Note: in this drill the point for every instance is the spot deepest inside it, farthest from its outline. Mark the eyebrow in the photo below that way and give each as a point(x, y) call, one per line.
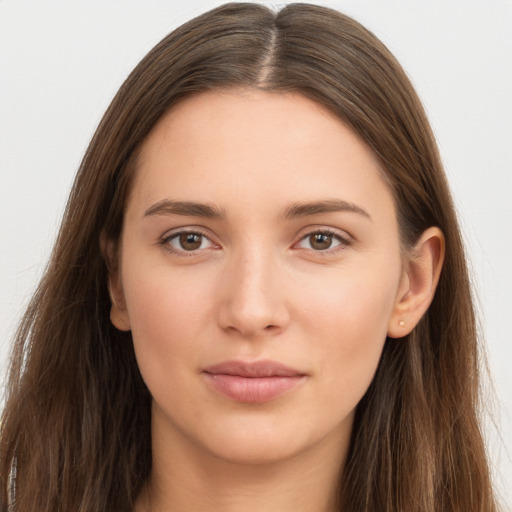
point(326, 206)
point(188, 208)
point(193, 209)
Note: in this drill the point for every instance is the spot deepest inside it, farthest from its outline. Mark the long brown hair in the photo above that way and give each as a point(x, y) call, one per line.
point(75, 431)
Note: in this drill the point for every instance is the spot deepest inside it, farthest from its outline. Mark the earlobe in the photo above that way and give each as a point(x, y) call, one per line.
point(419, 283)
point(119, 319)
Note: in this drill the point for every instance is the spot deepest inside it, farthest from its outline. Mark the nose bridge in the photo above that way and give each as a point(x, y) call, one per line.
point(253, 301)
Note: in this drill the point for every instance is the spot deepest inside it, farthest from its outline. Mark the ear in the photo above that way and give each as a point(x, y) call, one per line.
point(118, 311)
point(418, 283)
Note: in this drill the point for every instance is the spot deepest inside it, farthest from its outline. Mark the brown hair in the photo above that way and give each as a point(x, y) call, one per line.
point(75, 432)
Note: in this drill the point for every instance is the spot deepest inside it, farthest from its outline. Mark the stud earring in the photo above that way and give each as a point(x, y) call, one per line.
point(401, 323)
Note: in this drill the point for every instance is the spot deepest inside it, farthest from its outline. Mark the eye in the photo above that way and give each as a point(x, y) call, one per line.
point(322, 241)
point(187, 241)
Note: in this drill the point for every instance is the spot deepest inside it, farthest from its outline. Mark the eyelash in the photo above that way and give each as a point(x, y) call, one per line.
point(343, 242)
point(165, 242)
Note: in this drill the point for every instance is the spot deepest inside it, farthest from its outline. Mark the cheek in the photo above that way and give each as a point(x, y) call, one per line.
point(349, 322)
point(168, 312)
point(352, 302)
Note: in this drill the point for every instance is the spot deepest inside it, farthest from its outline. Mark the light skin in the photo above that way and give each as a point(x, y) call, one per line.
point(292, 255)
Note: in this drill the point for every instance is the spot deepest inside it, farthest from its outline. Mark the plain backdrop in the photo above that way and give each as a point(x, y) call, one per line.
point(62, 62)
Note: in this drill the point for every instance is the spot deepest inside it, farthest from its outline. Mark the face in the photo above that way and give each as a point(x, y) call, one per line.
point(259, 269)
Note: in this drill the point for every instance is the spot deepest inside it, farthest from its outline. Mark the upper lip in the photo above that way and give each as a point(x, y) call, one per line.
point(253, 369)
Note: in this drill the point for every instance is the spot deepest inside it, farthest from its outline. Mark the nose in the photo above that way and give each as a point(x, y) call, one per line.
point(253, 301)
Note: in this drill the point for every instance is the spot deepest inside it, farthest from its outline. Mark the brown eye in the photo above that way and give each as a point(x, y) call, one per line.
point(320, 241)
point(190, 241)
point(187, 243)
point(323, 241)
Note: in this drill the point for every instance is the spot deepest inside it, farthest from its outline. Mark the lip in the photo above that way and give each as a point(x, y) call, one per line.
point(253, 382)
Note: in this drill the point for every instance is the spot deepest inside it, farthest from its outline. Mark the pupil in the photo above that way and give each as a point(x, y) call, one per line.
point(320, 241)
point(190, 241)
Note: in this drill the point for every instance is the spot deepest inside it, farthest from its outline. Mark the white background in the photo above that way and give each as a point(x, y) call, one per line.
point(61, 63)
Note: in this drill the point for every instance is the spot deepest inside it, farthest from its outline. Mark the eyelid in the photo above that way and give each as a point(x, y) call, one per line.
point(176, 232)
point(342, 236)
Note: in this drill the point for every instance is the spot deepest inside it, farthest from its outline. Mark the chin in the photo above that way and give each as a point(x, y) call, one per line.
point(257, 452)
point(261, 442)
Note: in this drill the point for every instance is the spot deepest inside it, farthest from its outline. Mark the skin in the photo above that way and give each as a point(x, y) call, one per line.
point(260, 286)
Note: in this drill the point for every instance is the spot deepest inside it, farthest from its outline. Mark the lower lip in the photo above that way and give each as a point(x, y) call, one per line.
point(253, 390)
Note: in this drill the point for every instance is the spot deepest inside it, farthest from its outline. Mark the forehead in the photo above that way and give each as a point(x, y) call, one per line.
point(254, 146)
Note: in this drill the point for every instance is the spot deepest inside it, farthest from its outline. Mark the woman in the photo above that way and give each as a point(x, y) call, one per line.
point(258, 299)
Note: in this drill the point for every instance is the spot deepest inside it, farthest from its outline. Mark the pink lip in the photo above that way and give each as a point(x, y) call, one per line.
point(255, 383)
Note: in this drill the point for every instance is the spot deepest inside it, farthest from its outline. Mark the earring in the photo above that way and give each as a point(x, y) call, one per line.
point(401, 323)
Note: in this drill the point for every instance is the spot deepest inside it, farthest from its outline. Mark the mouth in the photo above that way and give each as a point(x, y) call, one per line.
point(253, 383)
